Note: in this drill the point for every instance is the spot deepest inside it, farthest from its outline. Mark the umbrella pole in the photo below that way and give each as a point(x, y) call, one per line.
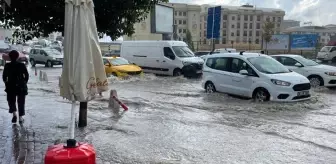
point(72, 126)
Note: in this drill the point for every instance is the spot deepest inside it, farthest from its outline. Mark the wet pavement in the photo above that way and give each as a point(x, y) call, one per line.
point(172, 120)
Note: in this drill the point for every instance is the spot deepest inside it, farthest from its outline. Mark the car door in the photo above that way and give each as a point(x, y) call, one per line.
point(43, 56)
point(168, 63)
point(242, 84)
point(292, 64)
point(221, 77)
point(37, 56)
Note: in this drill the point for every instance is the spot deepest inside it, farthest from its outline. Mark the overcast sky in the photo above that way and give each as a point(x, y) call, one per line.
point(319, 12)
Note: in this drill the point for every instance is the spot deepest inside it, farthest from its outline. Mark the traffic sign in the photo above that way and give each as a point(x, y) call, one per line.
point(213, 22)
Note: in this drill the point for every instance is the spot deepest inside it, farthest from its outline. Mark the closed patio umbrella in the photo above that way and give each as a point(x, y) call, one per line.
point(83, 74)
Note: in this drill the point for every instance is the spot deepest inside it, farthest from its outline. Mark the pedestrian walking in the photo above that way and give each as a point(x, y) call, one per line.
point(15, 77)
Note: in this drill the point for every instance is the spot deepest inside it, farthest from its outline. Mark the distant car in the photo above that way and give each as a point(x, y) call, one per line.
point(253, 75)
point(6, 48)
point(47, 56)
point(203, 54)
point(318, 74)
point(327, 53)
point(120, 67)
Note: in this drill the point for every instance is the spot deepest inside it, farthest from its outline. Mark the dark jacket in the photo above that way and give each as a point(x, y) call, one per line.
point(15, 77)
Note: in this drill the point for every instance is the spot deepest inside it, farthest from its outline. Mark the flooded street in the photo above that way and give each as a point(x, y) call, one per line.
point(173, 120)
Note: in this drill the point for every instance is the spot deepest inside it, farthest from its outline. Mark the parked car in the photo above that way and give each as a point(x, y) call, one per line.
point(47, 56)
point(327, 53)
point(161, 57)
point(254, 76)
point(5, 48)
point(318, 74)
point(120, 67)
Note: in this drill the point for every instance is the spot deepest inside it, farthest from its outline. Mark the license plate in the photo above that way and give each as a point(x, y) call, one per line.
point(303, 93)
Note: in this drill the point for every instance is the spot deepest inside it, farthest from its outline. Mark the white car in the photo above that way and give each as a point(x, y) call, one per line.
point(318, 74)
point(255, 76)
point(327, 53)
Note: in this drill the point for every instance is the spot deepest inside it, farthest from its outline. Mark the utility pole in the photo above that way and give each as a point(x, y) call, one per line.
point(82, 119)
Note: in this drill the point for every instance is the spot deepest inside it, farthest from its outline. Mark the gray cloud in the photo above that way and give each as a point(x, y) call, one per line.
point(319, 12)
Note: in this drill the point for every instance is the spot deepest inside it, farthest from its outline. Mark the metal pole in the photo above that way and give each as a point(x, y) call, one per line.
point(72, 125)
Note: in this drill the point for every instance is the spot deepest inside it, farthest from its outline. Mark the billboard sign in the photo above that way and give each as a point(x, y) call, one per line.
point(162, 19)
point(304, 41)
point(213, 22)
point(278, 42)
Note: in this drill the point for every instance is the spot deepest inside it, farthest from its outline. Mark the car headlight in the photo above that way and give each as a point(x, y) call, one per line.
point(330, 73)
point(280, 82)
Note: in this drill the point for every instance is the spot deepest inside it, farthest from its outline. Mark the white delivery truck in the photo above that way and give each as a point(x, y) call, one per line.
point(161, 57)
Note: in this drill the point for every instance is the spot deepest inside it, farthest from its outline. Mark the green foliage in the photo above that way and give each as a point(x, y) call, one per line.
point(268, 31)
point(189, 41)
point(113, 17)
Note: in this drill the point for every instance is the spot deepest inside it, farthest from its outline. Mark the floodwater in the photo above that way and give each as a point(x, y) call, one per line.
point(172, 120)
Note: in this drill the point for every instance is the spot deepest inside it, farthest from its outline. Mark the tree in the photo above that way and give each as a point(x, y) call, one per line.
point(268, 31)
point(113, 17)
point(189, 40)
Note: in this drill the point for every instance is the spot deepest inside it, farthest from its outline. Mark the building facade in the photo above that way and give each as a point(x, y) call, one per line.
point(241, 24)
point(186, 17)
point(289, 23)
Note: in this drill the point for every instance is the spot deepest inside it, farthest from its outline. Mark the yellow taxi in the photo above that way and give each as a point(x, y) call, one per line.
point(120, 67)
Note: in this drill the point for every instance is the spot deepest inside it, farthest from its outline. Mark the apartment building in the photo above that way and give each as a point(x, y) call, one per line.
point(186, 17)
point(241, 24)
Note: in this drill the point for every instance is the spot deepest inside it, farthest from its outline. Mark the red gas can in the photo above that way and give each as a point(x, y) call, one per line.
point(72, 153)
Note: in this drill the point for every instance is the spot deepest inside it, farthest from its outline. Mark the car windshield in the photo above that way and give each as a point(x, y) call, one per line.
point(53, 51)
point(306, 62)
point(119, 61)
point(267, 65)
point(183, 51)
point(325, 49)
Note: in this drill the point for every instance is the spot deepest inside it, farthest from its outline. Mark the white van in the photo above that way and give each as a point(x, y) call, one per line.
point(160, 57)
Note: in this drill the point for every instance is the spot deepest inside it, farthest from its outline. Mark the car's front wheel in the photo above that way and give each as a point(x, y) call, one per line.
point(210, 87)
point(315, 81)
point(261, 95)
point(32, 62)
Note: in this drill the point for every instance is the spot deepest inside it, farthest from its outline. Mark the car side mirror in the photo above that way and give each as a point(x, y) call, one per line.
point(243, 72)
point(298, 65)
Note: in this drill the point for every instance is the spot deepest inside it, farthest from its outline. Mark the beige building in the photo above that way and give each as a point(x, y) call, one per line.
point(241, 25)
point(186, 17)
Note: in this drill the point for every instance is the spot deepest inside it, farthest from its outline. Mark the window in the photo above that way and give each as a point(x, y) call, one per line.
point(43, 53)
point(245, 33)
point(251, 25)
point(204, 41)
point(238, 25)
point(322, 40)
point(287, 61)
point(238, 17)
point(184, 30)
point(250, 33)
point(258, 25)
point(238, 65)
point(224, 24)
point(232, 34)
point(176, 13)
point(175, 21)
point(238, 33)
point(268, 65)
point(218, 63)
point(223, 40)
point(224, 32)
point(245, 25)
point(257, 41)
point(258, 18)
point(257, 33)
point(251, 18)
point(268, 19)
point(180, 13)
point(184, 13)
point(232, 26)
point(224, 17)
point(168, 53)
point(180, 30)
point(216, 41)
point(273, 19)
point(245, 17)
point(184, 22)
point(278, 25)
point(233, 17)
point(180, 21)
point(279, 19)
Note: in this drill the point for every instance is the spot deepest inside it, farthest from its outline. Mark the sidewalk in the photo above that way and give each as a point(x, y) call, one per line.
point(46, 122)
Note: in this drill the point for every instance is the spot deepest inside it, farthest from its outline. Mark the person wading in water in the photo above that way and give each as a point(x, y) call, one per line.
point(15, 77)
